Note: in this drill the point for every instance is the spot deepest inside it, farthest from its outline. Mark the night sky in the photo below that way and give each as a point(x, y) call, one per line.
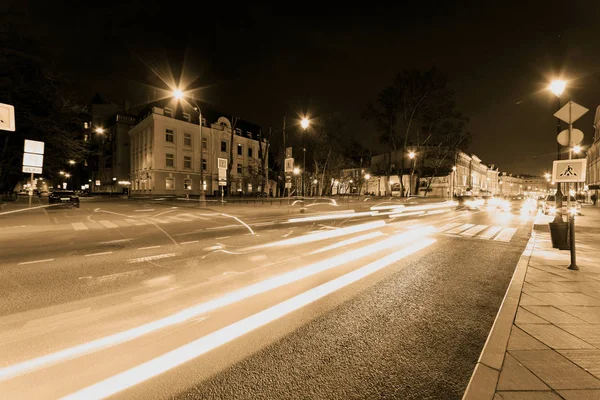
point(261, 61)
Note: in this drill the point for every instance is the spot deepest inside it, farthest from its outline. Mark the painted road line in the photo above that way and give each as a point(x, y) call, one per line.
point(158, 220)
point(117, 241)
point(79, 226)
point(222, 237)
point(449, 226)
point(144, 210)
point(461, 228)
point(506, 235)
point(190, 242)
point(151, 258)
point(490, 233)
point(148, 247)
point(36, 261)
point(474, 230)
point(222, 227)
point(134, 221)
point(98, 254)
point(108, 224)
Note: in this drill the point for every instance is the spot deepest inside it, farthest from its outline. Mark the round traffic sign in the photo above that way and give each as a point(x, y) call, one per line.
point(576, 137)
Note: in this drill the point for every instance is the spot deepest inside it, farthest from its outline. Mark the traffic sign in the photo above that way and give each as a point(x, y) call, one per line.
point(576, 137)
point(222, 183)
point(570, 112)
point(569, 170)
point(222, 163)
point(33, 170)
point(288, 152)
point(289, 164)
point(288, 185)
point(33, 157)
point(7, 117)
point(222, 174)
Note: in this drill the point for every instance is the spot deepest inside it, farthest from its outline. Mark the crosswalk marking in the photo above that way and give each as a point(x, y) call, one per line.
point(474, 230)
point(490, 232)
point(79, 226)
point(461, 228)
point(449, 226)
point(108, 224)
point(158, 220)
point(506, 235)
point(134, 221)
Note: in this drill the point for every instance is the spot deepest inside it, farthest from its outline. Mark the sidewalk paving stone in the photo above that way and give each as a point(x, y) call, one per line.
point(580, 394)
point(528, 396)
point(553, 315)
point(515, 376)
point(520, 340)
point(554, 337)
point(586, 359)
point(586, 313)
point(525, 316)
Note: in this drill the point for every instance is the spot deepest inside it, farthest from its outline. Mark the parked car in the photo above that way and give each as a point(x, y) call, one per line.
point(44, 193)
point(66, 197)
point(549, 205)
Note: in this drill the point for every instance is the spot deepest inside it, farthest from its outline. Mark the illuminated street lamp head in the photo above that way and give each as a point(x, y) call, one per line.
point(62, 172)
point(577, 149)
point(547, 175)
point(411, 155)
point(99, 130)
point(557, 87)
point(178, 94)
point(304, 123)
point(367, 176)
point(67, 175)
point(296, 170)
point(315, 181)
point(454, 168)
point(71, 162)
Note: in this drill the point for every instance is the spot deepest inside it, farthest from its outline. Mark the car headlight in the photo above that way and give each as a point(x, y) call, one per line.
point(573, 210)
point(552, 210)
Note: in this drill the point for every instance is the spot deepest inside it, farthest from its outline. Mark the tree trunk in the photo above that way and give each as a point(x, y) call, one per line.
point(231, 143)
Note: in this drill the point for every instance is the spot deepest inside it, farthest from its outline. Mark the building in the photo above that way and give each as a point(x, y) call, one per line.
point(593, 158)
point(167, 154)
point(510, 185)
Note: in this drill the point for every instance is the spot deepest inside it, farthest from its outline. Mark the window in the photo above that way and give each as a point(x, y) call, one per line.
point(186, 117)
point(203, 121)
point(170, 184)
point(239, 168)
point(170, 136)
point(238, 131)
point(239, 149)
point(170, 160)
point(187, 162)
point(187, 139)
point(187, 184)
point(204, 164)
point(168, 112)
point(204, 143)
point(250, 169)
point(223, 146)
point(250, 152)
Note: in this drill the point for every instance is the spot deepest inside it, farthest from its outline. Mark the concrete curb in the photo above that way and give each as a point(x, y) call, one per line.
point(484, 380)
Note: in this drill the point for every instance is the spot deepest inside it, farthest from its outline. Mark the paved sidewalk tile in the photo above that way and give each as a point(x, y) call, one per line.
point(514, 376)
point(520, 340)
point(588, 314)
point(554, 337)
point(528, 396)
point(580, 394)
point(586, 359)
point(553, 314)
point(524, 316)
point(587, 332)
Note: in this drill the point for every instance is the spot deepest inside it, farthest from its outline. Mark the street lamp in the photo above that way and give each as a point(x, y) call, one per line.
point(62, 172)
point(72, 162)
point(296, 170)
point(99, 130)
point(178, 94)
point(577, 149)
point(411, 155)
point(557, 87)
point(304, 124)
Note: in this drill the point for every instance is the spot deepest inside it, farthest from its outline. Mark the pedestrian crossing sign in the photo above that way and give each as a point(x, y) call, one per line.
point(569, 170)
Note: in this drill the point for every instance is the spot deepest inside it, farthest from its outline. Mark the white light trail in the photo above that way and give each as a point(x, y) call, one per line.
point(202, 308)
point(349, 241)
point(188, 352)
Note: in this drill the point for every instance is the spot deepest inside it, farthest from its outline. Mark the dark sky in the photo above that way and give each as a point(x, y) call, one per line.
point(263, 61)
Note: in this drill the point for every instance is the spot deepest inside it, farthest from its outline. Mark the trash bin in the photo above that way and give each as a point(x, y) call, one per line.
point(559, 232)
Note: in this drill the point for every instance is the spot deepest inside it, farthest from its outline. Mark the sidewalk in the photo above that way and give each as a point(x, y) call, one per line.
point(545, 341)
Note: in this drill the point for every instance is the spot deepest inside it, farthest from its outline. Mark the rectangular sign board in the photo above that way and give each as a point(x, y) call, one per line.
point(289, 164)
point(33, 146)
point(222, 174)
point(569, 170)
point(34, 170)
point(7, 117)
point(288, 152)
point(33, 160)
point(222, 163)
point(222, 183)
point(288, 185)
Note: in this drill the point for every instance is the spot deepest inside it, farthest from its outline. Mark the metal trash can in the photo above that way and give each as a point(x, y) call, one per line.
point(559, 232)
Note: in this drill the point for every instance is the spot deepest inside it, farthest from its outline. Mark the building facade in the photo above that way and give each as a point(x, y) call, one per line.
point(593, 158)
point(167, 153)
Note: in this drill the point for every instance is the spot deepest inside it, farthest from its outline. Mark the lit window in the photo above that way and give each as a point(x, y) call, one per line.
point(187, 162)
point(187, 184)
point(170, 136)
point(85, 125)
point(170, 184)
point(186, 117)
point(223, 146)
point(168, 112)
point(239, 168)
point(204, 164)
point(170, 160)
point(204, 143)
point(250, 152)
point(239, 149)
point(187, 139)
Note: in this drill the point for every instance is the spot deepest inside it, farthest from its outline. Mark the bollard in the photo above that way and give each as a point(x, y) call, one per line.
point(573, 265)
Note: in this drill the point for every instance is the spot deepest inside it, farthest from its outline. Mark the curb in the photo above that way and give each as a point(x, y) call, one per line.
point(484, 379)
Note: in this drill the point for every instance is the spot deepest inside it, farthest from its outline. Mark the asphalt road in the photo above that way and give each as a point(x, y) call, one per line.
point(274, 307)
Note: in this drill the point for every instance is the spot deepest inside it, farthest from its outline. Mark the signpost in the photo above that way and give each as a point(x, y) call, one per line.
point(289, 168)
point(7, 117)
point(222, 166)
point(33, 160)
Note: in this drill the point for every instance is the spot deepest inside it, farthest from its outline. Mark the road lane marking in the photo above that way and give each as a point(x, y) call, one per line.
point(474, 230)
point(108, 224)
point(151, 258)
point(190, 242)
point(196, 348)
point(144, 210)
point(98, 254)
point(349, 241)
point(221, 227)
point(506, 235)
point(222, 237)
point(117, 241)
point(79, 226)
point(490, 233)
point(36, 261)
point(134, 221)
point(449, 226)
point(461, 228)
point(148, 247)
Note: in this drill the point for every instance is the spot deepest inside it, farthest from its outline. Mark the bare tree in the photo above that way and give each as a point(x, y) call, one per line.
point(234, 121)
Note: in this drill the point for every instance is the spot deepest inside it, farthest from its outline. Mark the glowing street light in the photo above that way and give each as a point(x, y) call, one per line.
point(367, 176)
point(72, 162)
point(547, 175)
point(411, 155)
point(577, 149)
point(178, 94)
point(557, 87)
point(296, 170)
point(304, 123)
point(99, 130)
point(62, 172)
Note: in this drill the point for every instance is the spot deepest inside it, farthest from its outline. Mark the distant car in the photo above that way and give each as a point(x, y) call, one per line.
point(66, 197)
point(44, 193)
point(549, 205)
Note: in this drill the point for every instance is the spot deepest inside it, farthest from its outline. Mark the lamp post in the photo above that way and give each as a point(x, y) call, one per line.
point(178, 94)
point(557, 87)
point(453, 178)
point(296, 172)
point(304, 123)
